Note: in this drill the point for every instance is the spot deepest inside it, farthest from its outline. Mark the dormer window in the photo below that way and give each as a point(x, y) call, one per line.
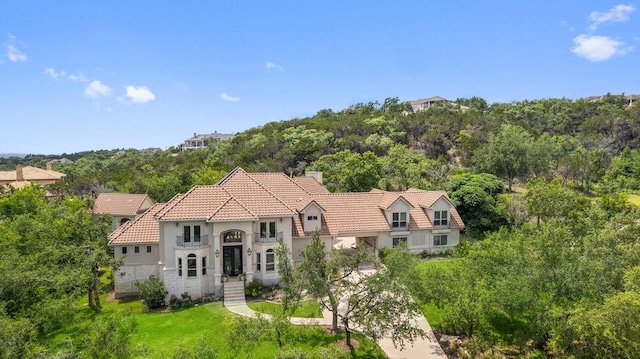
point(441, 218)
point(399, 220)
point(312, 218)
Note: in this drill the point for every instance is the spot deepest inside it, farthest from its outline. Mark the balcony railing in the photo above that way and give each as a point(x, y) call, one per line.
point(192, 241)
point(267, 237)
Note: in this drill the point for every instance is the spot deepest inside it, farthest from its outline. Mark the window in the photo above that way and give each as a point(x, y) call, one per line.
point(440, 240)
point(258, 262)
point(271, 261)
point(189, 235)
point(179, 267)
point(232, 237)
point(148, 249)
point(271, 226)
point(124, 250)
point(398, 240)
point(399, 219)
point(192, 271)
point(312, 218)
point(204, 265)
point(124, 220)
point(440, 218)
point(136, 250)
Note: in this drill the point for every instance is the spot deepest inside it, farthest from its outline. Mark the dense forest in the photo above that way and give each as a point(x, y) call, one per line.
point(542, 185)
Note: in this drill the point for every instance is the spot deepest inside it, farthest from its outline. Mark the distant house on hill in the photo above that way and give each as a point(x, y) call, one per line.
point(62, 160)
point(26, 175)
point(631, 99)
point(198, 239)
point(124, 207)
point(202, 140)
point(150, 151)
point(427, 103)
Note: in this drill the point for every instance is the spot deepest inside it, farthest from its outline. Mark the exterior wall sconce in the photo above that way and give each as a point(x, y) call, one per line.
point(249, 252)
point(217, 253)
point(177, 224)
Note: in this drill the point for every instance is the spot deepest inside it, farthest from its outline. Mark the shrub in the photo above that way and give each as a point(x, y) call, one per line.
point(152, 292)
point(253, 289)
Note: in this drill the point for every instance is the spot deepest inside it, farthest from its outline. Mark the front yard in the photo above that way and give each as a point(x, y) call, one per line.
point(160, 334)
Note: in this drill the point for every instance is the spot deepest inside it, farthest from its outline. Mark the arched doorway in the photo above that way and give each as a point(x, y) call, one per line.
point(232, 258)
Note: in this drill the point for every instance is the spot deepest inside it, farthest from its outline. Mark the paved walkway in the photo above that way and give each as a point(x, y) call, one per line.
point(427, 348)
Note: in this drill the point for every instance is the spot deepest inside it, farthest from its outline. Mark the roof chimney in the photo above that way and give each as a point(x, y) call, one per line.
point(19, 174)
point(48, 166)
point(194, 134)
point(315, 174)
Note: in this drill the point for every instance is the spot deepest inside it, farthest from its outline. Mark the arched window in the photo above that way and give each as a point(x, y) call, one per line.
point(232, 237)
point(192, 269)
point(271, 261)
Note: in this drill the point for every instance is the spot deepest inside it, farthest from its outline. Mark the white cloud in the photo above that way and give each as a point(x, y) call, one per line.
point(13, 53)
point(97, 89)
point(224, 96)
point(618, 13)
point(598, 48)
point(140, 94)
point(78, 78)
point(272, 66)
point(54, 75)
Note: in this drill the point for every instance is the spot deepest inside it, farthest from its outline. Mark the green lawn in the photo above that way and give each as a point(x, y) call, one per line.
point(159, 334)
point(307, 309)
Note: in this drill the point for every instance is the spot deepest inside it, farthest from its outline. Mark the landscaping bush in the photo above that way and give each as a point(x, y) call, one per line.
point(253, 289)
point(152, 292)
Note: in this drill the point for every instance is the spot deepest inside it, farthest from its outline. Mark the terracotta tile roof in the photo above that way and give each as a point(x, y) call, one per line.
point(352, 212)
point(423, 200)
point(232, 210)
point(256, 197)
point(123, 204)
point(282, 186)
point(311, 185)
point(30, 173)
point(144, 229)
point(200, 202)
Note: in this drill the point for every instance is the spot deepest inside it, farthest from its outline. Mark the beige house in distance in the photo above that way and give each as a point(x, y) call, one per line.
point(123, 207)
point(26, 175)
point(197, 239)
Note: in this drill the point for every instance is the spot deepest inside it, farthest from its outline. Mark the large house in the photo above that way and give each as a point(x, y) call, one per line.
point(123, 207)
point(202, 140)
point(26, 175)
point(427, 103)
point(198, 239)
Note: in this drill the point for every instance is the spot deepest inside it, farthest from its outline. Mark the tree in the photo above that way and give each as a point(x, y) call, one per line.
point(373, 301)
point(508, 154)
point(152, 292)
point(110, 336)
point(477, 199)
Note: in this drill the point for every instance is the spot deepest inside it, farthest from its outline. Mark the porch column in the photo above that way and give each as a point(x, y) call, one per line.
point(249, 266)
point(217, 260)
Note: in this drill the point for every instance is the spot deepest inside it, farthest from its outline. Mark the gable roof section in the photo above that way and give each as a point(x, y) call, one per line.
point(311, 185)
point(232, 210)
point(144, 229)
point(422, 201)
point(123, 204)
point(199, 203)
point(254, 196)
point(30, 173)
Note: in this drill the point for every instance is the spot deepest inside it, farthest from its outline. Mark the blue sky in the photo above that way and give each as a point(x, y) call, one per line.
point(83, 75)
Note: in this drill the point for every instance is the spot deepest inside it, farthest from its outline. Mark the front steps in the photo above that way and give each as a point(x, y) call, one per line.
point(234, 293)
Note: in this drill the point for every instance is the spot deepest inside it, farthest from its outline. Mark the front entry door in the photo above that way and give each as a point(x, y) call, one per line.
point(232, 260)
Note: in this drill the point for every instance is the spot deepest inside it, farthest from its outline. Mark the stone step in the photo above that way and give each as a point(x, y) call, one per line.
point(234, 293)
